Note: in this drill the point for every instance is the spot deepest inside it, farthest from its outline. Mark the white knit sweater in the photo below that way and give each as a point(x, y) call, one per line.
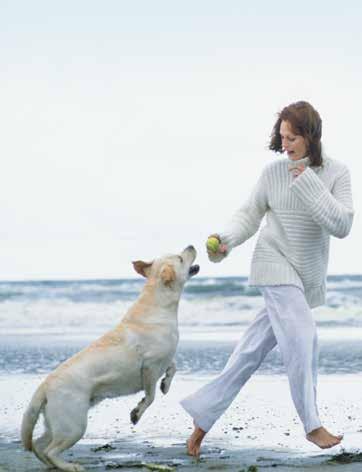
point(301, 213)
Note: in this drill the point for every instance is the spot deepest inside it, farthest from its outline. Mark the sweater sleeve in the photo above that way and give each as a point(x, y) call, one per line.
point(246, 220)
point(333, 210)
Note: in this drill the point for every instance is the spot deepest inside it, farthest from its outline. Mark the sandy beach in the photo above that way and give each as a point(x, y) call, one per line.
point(259, 430)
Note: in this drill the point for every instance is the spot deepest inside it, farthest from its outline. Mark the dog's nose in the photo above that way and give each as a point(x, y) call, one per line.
point(190, 248)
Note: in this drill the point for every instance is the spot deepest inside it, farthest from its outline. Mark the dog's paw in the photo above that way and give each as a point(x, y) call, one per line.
point(135, 415)
point(164, 386)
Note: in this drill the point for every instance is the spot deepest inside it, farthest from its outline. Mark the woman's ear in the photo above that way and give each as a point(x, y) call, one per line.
point(142, 268)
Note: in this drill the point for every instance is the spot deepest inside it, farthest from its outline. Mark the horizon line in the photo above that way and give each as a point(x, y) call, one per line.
point(95, 279)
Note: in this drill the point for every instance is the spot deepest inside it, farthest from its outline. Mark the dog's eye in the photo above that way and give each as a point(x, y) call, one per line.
point(181, 259)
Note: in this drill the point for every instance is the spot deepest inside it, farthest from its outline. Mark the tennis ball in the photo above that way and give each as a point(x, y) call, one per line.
point(213, 244)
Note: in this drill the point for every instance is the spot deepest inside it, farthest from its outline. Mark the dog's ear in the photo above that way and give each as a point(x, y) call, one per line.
point(142, 268)
point(168, 274)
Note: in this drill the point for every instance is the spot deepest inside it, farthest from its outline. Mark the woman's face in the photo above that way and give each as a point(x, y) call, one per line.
point(293, 144)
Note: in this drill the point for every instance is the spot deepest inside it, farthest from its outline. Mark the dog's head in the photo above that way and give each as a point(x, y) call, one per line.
point(172, 270)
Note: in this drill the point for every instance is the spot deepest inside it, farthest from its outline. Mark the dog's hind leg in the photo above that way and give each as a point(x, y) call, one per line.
point(67, 424)
point(58, 446)
point(166, 381)
point(40, 444)
point(149, 378)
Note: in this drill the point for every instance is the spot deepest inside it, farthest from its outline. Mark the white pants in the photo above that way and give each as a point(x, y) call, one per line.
point(287, 321)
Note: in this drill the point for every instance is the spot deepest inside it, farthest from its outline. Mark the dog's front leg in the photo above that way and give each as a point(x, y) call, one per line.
point(149, 378)
point(166, 381)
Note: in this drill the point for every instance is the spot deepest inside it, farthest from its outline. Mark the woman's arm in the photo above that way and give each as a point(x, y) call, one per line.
point(246, 221)
point(331, 210)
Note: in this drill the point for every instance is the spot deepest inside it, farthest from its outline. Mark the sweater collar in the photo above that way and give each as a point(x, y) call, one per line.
point(294, 164)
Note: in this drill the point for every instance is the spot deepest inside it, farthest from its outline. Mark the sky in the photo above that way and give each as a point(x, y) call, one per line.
point(133, 129)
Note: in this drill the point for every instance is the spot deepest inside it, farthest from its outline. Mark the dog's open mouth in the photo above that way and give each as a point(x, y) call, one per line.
point(194, 270)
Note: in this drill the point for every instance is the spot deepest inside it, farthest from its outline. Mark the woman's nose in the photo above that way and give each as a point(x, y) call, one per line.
point(285, 144)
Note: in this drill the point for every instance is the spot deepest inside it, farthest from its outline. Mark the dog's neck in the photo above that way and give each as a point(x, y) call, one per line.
point(154, 300)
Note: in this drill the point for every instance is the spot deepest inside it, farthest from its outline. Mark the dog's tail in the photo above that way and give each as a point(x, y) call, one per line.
point(31, 417)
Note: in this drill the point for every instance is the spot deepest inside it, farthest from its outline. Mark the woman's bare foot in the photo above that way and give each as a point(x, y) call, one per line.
point(323, 439)
point(194, 442)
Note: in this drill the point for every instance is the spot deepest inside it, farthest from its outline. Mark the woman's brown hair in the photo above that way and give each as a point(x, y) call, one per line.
point(304, 121)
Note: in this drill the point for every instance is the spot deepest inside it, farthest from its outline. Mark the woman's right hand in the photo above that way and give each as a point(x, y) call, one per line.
point(221, 252)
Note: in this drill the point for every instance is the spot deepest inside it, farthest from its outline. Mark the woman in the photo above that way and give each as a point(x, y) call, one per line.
point(306, 198)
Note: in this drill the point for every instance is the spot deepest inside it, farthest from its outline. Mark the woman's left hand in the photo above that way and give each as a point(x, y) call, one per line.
point(298, 170)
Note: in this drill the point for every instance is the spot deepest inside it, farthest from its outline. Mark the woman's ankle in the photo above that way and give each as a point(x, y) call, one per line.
point(198, 433)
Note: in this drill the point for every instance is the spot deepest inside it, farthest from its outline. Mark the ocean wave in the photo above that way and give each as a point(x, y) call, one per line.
point(340, 289)
point(60, 316)
point(106, 291)
point(93, 306)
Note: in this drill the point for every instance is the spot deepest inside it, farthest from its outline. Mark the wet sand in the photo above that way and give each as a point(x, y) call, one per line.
point(259, 430)
point(129, 456)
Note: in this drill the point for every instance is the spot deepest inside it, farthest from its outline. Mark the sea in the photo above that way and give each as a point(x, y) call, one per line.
point(42, 323)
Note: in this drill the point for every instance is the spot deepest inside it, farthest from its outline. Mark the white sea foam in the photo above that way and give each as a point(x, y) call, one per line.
point(94, 306)
point(59, 316)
